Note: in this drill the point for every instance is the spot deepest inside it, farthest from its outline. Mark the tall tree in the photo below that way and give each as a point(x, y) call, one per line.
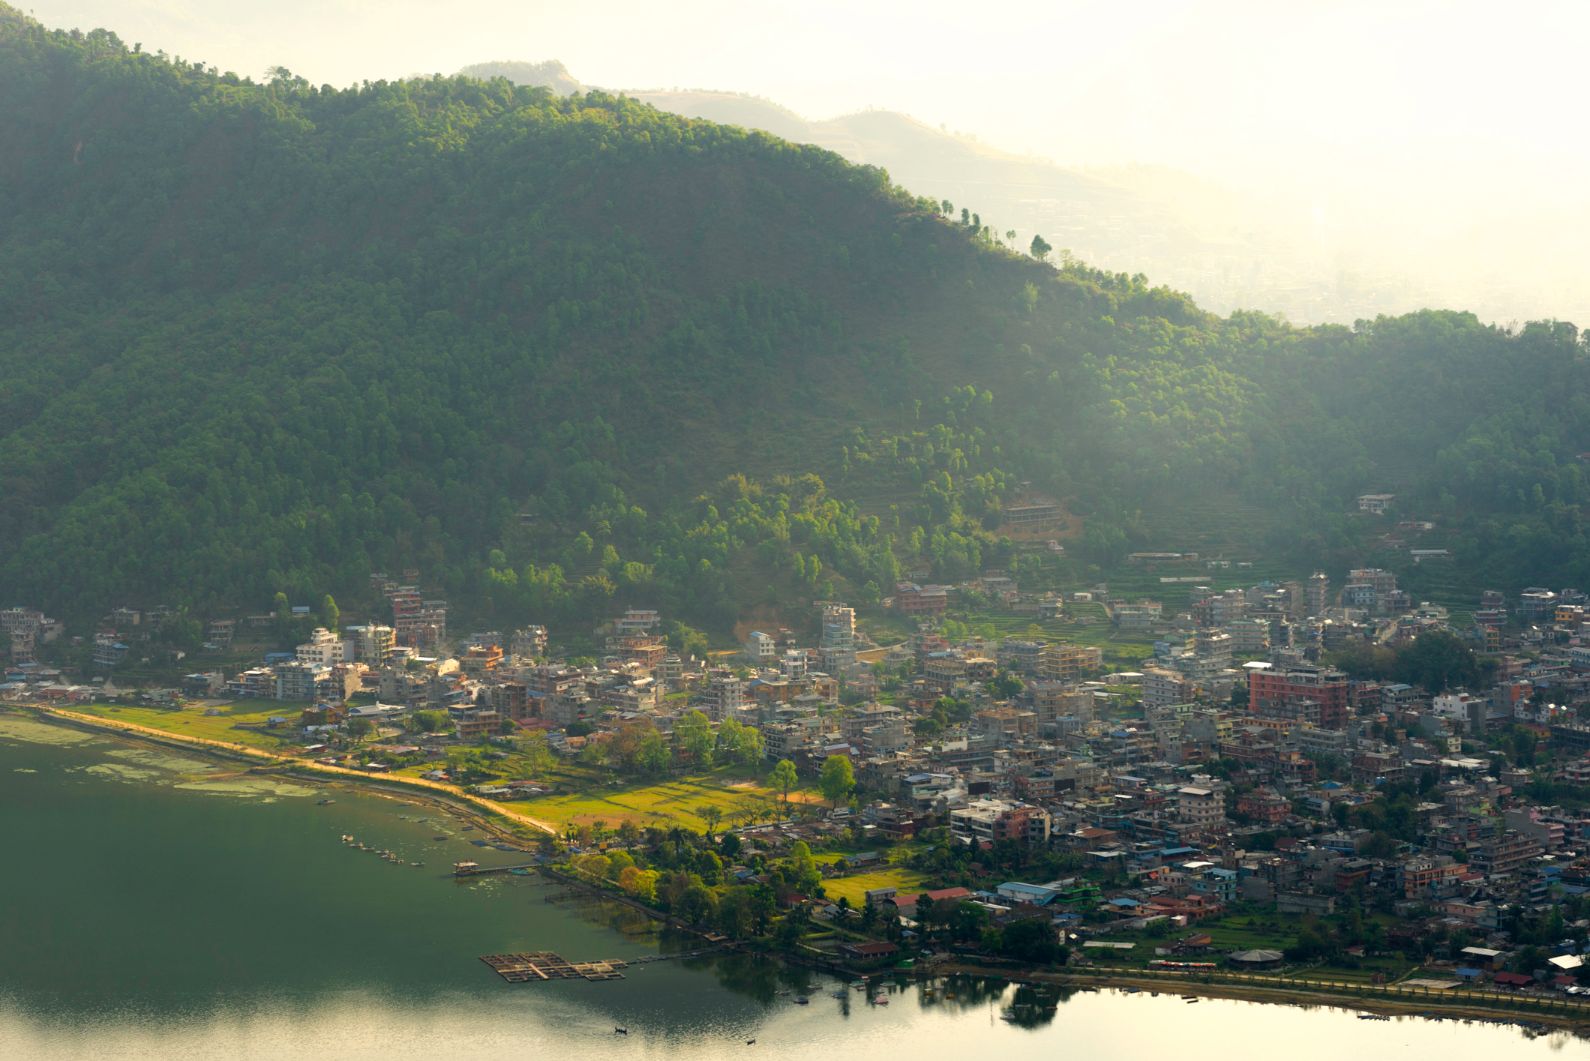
point(783, 777)
point(837, 779)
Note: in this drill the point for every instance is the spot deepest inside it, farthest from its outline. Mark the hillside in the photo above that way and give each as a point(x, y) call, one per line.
point(261, 337)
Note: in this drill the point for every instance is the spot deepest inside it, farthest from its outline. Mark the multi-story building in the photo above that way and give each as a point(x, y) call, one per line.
point(1069, 663)
point(837, 645)
point(528, 642)
point(1163, 687)
point(761, 649)
point(1201, 806)
point(295, 680)
point(990, 820)
point(1316, 594)
point(372, 643)
point(725, 695)
point(914, 599)
point(637, 621)
point(1023, 657)
point(1316, 695)
point(1504, 854)
point(322, 649)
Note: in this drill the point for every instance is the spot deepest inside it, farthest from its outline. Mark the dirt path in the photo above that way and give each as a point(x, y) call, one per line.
point(418, 786)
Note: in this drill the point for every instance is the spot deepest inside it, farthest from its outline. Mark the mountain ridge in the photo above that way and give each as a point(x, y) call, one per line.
point(562, 353)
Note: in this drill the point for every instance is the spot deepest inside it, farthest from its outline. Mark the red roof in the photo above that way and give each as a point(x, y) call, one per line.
point(1513, 979)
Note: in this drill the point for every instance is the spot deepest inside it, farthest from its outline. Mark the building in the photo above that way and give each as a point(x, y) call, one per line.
point(322, 649)
point(529, 642)
point(373, 643)
point(1201, 806)
point(1137, 615)
point(109, 652)
point(990, 820)
point(1069, 663)
point(1316, 594)
point(1316, 695)
point(836, 647)
point(761, 649)
point(295, 680)
point(725, 695)
point(913, 599)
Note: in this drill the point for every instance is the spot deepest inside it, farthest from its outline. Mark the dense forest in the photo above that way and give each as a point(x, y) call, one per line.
point(563, 352)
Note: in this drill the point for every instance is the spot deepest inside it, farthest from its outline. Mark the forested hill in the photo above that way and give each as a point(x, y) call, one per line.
point(272, 336)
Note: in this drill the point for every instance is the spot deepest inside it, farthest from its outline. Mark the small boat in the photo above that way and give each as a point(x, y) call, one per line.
point(324, 802)
point(839, 994)
point(347, 838)
point(803, 1001)
point(880, 1000)
point(1194, 999)
point(620, 1031)
point(438, 838)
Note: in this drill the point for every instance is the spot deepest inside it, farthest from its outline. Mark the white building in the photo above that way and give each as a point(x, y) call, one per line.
point(322, 649)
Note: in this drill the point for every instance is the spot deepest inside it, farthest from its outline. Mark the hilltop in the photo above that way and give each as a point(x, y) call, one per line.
point(562, 351)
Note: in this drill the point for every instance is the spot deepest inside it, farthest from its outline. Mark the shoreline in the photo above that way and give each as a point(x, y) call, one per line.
point(482, 813)
point(1426, 1007)
point(498, 822)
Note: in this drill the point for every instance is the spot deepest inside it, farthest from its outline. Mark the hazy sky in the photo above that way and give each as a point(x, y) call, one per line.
point(1220, 87)
point(1447, 128)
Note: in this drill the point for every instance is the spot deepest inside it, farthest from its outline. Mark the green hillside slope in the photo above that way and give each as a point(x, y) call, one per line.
point(260, 337)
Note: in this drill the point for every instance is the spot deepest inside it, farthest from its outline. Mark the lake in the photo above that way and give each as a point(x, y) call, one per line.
point(155, 904)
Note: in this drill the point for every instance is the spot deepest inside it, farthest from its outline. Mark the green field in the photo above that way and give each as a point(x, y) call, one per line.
point(855, 887)
point(238, 722)
point(667, 803)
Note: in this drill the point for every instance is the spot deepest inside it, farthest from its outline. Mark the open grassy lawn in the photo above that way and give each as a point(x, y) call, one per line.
point(667, 803)
point(240, 721)
point(855, 887)
point(1083, 624)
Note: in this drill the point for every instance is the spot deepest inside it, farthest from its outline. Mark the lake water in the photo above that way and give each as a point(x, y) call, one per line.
point(157, 905)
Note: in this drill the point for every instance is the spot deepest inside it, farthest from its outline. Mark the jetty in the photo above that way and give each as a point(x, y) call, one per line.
point(475, 869)
point(538, 966)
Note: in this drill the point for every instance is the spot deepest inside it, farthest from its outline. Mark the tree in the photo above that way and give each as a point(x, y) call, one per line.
point(693, 735)
point(711, 814)
point(837, 779)
point(330, 614)
point(783, 777)
point(1040, 248)
point(653, 755)
point(1005, 686)
point(1032, 941)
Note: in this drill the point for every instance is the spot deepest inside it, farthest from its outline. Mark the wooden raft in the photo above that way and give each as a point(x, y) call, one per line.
point(545, 965)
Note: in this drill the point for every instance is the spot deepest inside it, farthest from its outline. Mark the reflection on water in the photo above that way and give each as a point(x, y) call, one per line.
point(144, 919)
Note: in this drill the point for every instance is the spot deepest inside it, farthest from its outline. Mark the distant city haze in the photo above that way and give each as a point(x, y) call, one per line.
point(1389, 155)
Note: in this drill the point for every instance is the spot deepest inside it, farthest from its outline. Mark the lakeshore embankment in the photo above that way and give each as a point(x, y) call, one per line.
point(503, 822)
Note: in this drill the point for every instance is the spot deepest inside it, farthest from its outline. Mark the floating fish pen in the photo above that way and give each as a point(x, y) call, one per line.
point(545, 965)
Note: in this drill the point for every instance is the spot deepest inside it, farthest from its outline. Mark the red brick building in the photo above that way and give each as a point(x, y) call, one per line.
point(1316, 695)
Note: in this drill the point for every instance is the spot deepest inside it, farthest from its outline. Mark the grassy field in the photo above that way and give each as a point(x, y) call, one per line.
point(855, 887)
point(1084, 624)
point(241, 721)
point(676, 802)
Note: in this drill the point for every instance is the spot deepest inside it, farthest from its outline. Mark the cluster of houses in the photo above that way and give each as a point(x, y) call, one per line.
point(1230, 766)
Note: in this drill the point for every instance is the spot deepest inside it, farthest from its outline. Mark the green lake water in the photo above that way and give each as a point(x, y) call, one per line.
point(159, 905)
